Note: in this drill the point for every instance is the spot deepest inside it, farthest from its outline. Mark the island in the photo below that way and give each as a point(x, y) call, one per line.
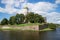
point(27, 21)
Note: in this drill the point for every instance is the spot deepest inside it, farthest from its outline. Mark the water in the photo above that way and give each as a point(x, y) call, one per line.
point(30, 35)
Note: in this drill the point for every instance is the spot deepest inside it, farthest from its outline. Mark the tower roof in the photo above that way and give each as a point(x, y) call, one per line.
point(25, 7)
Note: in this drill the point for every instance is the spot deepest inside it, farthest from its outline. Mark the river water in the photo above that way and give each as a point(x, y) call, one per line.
point(30, 35)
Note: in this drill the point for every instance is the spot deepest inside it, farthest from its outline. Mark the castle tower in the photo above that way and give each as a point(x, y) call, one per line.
point(25, 13)
point(26, 10)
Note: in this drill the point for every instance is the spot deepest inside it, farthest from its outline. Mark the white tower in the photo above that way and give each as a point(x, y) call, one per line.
point(25, 10)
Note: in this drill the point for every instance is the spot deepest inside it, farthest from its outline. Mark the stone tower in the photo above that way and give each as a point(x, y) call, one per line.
point(26, 10)
point(25, 13)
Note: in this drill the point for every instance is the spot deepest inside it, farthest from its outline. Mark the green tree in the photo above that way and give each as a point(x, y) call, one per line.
point(12, 20)
point(41, 19)
point(38, 18)
point(22, 18)
point(30, 17)
point(19, 18)
point(34, 18)
point(4, 21)
point(52, 26)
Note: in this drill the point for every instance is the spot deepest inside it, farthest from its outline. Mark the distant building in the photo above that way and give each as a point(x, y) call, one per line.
point(26, 10)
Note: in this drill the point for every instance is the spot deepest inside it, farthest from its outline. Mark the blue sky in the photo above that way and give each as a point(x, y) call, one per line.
point(47, 8)
point(35, 1)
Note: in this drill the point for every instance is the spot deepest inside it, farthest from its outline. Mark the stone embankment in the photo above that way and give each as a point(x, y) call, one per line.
point(33, 27)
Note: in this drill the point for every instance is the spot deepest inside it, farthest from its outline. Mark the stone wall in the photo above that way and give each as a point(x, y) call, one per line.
point(33, 27)
point(43, 26)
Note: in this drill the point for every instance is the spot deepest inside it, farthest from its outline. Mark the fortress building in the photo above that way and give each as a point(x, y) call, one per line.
point(25, 10)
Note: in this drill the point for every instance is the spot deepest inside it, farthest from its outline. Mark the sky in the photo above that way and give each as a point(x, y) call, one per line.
point(47, 8)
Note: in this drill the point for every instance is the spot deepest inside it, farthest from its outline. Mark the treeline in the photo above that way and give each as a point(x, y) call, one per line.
point(21, 18)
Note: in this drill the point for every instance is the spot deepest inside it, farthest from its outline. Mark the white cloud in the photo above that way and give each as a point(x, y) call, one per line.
point(2, 9)
point(53, 17)
point(15, 3)
point(8, 1)
point(23, 11)
point(10, 4)
point(57, 1)
point(37, 7)
point(12, 1)
point(41, 8)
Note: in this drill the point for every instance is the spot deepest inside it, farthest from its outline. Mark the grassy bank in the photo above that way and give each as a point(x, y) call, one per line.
point(46, 29)
point(28, 24)
point(12, 27)
point(22, 25)
point(15, 29)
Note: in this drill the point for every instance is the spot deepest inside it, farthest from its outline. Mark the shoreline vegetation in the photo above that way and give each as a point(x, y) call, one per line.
point(15, 29)
point(11, 29)
point(18, 27)
point(30, 21)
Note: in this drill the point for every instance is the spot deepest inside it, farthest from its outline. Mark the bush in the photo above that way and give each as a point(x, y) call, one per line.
point(52, 26)
point(4, 21)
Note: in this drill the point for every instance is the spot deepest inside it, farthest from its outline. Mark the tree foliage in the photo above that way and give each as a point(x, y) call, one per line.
point(19, 18)
point(52, 26)
point(4, 21)
point(34, 18)
point(31, 17)
point(12, 20)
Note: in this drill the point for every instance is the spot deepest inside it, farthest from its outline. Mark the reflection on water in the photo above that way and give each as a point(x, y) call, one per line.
point(4, 35)
point(24, 35)
point(29, 35)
